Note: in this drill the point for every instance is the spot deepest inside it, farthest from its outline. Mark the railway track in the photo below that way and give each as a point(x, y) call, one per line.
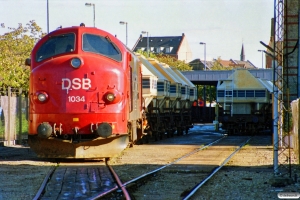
point(180, 171)
point(134, 185)
point(93, 180)
point(198, 186)
point(100, 181)
point(140, 179)
point(76, 181)
point(139, 188)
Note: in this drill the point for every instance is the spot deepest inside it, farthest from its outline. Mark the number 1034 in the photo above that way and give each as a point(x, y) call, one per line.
point(76, 99)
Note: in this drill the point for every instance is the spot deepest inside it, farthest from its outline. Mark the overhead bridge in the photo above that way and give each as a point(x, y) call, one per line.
point(211, 77)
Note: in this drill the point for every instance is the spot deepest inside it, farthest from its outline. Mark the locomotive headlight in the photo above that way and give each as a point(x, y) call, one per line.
point(110, 97)
point(41, 97)
point(76, 63)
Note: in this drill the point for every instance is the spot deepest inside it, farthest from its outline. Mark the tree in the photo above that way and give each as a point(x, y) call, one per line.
point(15, 47)
point(171, 61)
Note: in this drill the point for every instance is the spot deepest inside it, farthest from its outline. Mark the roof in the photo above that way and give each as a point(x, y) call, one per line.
point(225, 63)
point(166, 44)
point(244, 64)
point(237, 64)
point(198, 64)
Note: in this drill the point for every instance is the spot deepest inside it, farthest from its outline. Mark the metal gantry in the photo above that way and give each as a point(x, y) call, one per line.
point(282, 111)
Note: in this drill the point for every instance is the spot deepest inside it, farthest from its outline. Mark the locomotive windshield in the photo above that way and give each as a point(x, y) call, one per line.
point(56, 45)
point(100, 45)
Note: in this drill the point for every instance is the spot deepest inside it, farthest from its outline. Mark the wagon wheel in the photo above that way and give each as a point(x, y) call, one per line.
point(186, 130)
point(161, 133)
point(145, 139)
point(155, 135)
point(169, 133)
point(179, 131)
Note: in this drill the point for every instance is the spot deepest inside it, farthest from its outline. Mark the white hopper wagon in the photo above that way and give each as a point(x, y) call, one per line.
point(184, 86)
point(192, 88)
point(155, 85)
point(246, 103)
point(175, 85)
point(176, 113)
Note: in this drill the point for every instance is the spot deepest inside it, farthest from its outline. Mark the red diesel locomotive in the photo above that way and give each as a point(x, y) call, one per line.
point(85, 95)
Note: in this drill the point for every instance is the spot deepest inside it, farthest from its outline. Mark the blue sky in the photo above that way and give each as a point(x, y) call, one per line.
point(224, 25)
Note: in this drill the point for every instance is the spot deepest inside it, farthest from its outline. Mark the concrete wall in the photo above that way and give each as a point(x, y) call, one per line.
point(295, 105)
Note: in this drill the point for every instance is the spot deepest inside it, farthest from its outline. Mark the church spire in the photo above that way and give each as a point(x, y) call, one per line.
point(242, 53)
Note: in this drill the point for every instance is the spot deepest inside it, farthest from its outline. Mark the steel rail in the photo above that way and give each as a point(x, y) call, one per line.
point(124, 185)
point(44, 183)
point(195, 189)
point(120, 184)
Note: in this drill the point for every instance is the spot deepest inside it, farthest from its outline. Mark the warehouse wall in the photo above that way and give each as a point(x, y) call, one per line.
point(295, 105)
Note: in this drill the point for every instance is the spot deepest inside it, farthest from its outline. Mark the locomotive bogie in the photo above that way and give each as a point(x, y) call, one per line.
point(90, 149)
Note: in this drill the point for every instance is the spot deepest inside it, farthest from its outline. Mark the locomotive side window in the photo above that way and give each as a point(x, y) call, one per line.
point(56, 45)
point(100, 45)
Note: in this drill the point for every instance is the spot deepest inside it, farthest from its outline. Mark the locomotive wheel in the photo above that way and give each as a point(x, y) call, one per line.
point(146, 139)
point(139, 141)
point(143, 140)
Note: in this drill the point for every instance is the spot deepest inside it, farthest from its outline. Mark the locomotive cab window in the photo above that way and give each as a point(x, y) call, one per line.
point(56, 45)
point(101, 45)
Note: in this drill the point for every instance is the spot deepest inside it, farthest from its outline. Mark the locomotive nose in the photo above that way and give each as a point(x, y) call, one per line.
point(44, 130)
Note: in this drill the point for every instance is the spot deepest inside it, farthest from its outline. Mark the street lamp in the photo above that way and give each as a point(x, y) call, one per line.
point(91, 4)
point(262, 58)
point(47, 16)
point(144, 32)
point(122, 23)
point(203, 43)
point(204, 87)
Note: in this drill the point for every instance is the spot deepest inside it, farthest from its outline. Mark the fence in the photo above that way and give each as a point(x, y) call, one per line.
point(14, 116)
